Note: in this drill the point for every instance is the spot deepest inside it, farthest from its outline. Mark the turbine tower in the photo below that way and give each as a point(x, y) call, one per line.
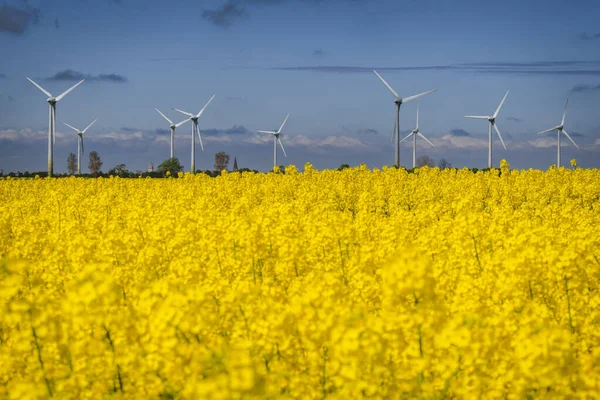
point(173, 127)
point(492, 120)
point(52, 120)
point(195, 128)
point(414, 134)
point(399, 101)
point(80, 142)
point(277, 139)
point(560, 129)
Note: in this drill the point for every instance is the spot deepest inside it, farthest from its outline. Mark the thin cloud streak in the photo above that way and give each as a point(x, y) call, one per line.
point(584, 88)
point(71, 75)
point(353, 70)
point(582, 68)
point(177, 59)
point(586, 37)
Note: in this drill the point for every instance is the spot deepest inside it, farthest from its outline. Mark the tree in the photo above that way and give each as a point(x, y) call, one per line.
point(172, 165)
point(221, 161)
point(343, 167)
point(95, 163)
point(443, 164)
point(72, 163)
point(119, 170)
point(425, 160)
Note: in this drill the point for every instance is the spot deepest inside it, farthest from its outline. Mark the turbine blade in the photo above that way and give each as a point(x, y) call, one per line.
point(206, 105)
point(271, 132)
point(281, 144)
point(427, 140)
point(284, 121)
point(501, 103)
point(476, 116)
point(394, 131)
point(199, 137)
point(88, 127)
point(386, 84)
point(164, 116)
point(72, 127)
point(565, 113)
point(183, 112)
point(548, 130)
point(499, 135)
point(409, 135)
point(418, 107)
point(416, 96)
point(66, 92)
point(181, 123)
point(570, 138)
point(41, 88)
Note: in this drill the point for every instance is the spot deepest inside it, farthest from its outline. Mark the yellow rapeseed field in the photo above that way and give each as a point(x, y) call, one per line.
point(305, 285)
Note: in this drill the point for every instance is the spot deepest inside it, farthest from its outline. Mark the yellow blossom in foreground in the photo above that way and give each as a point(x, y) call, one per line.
point(304, 285)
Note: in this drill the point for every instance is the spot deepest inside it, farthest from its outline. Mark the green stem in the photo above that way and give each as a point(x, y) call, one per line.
point(569, 305)
point(530, 291)
point(324, 373)
point(420, 342)
point(477, 253)
point(39, 354)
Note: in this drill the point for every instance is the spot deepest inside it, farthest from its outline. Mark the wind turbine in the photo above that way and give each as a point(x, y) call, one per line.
point(492, 121)
point(276, 139)
point(560, 128)
point(414, 134)
point(195, 128)
point(173, 127)
point(80, 143)
point(399, 101)
point(52, 120)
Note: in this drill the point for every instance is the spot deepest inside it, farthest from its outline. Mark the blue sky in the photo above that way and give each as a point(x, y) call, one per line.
point(265, 58)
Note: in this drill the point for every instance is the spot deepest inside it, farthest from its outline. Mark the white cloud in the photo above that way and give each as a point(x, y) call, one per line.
point(597, 142)
point(218, 139)
point(162, 139)
point(23, 135)
point(258, 138)
point(461, 142)
point(341, 142)
point(552, 142)
point(118, 137)
point(300, 140)
point(544, 142)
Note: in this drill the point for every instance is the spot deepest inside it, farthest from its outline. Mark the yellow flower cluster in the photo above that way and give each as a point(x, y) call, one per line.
point(339, 284)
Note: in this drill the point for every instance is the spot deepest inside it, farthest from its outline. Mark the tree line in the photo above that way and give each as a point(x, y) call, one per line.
point(172, 166)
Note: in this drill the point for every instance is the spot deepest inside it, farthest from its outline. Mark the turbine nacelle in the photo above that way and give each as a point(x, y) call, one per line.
point(561, 130)
point(52, 100)
point(173, 126)
point(398, 101)
point(492, 121)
